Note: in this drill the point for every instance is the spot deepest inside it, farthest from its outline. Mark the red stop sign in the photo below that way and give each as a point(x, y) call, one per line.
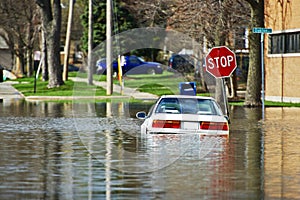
point(220, 62)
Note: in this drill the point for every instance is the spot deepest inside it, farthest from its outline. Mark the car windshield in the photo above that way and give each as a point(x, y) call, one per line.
point(140, 59)
point(187, 106)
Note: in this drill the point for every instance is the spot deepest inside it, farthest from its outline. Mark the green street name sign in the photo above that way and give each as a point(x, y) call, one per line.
point(262, 30)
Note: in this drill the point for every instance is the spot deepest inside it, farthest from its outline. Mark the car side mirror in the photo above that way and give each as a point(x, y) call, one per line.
point(141, 115)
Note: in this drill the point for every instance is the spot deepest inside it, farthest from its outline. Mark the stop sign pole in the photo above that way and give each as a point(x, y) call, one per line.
point(220, 62)
point(262, 31)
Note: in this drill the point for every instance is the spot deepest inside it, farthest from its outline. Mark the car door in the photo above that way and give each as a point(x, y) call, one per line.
point(131, 63)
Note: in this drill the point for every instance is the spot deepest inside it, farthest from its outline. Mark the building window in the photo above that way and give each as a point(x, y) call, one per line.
point(297, 42)
point(284, 43)
point(291, 43)
point(277, 43)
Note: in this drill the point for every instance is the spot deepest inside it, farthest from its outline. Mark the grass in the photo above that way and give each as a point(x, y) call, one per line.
point(85, 75)
point(269, 104)
point(156, 89)
point(159, 84)
point(281, 104)
point(26, 86)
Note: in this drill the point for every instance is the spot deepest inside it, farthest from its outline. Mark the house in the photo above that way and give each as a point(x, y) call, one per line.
point(282, 51)
point(5, 55)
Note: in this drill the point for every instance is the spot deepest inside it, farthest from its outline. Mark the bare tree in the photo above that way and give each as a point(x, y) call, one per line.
point(51, 24)
point(150, 13)
point(19, 27)
point(211, 23)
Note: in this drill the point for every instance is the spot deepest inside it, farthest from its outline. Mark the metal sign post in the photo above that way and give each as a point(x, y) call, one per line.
point(262, 76)
point(262, 31)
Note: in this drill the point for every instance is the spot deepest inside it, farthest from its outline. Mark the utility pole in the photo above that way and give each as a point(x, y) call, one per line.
point(68, 39)
point(109, 78)
point(90, 44)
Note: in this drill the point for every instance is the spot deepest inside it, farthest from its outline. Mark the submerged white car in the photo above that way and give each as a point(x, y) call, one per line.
point(184, 114)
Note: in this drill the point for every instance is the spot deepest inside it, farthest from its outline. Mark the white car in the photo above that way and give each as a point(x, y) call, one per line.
point(184, 114)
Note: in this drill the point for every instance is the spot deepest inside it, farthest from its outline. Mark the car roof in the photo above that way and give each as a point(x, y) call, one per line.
point(182, 55)
point(186, 96)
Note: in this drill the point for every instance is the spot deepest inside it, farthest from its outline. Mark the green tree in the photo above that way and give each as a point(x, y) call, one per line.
point(122, 21)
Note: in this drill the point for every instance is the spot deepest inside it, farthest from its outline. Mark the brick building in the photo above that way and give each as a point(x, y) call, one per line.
point(282, 47)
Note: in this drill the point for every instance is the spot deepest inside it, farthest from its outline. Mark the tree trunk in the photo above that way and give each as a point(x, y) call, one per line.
point(51, 26)
point(29, 50)
point(45, 74)
point(53, 44)
point(22, 62)
point(29, 62)
point(253, 92)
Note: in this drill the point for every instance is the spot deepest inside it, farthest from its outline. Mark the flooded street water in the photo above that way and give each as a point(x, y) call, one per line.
point(93, 151)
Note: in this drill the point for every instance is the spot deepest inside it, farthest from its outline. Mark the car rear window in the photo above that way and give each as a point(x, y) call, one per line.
point(187, 106)
point(169, 105)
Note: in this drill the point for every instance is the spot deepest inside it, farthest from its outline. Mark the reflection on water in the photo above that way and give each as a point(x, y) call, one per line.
point(282, 153)
point(93, 151)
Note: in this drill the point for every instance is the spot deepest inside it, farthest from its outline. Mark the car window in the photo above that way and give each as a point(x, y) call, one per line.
point(168, 105)
point(178, 59)
point(206, 107)
point(134, 60)
point(218, 108)
point(140, 59)
point(187, 106)
point(183, 59)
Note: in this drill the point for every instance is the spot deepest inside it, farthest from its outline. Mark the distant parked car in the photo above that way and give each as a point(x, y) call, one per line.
point(184, 114)
point(181, 63)
point(101, 66)
point(132, 65)
point(73, 68)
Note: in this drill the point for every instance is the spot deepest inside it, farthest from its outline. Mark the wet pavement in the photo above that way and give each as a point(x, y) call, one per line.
point(8, 92)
